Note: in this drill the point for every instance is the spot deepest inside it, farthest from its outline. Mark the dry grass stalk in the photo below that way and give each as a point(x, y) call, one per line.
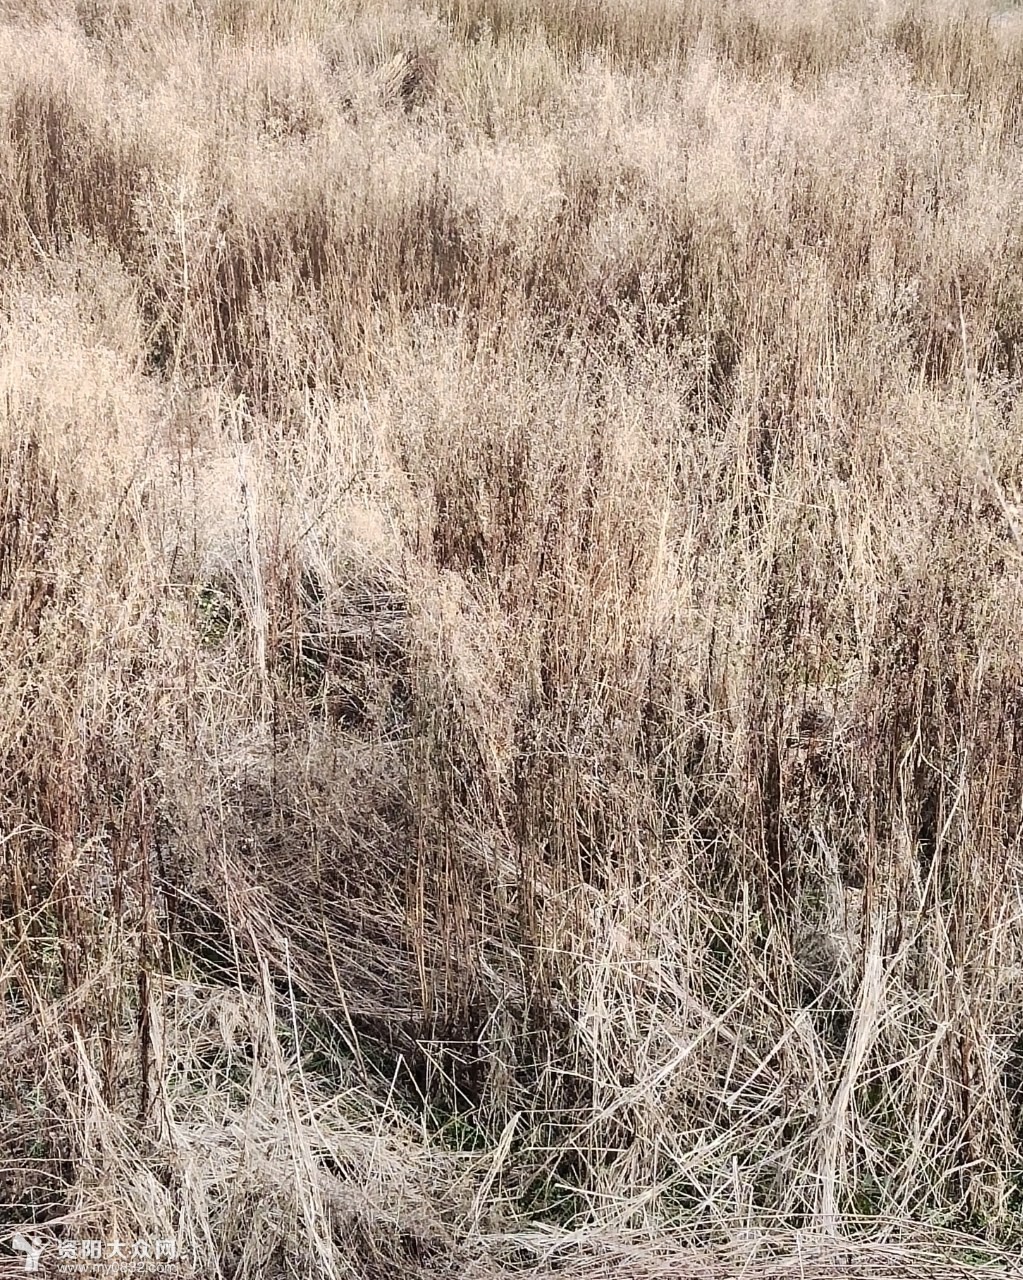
point(510, 685)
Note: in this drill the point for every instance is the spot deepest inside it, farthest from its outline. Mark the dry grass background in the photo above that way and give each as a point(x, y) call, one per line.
point(511, 695)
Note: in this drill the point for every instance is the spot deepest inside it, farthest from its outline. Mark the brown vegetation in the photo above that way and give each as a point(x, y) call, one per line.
point(511, 665)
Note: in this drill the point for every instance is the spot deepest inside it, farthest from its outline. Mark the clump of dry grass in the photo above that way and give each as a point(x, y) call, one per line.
point(509, 672)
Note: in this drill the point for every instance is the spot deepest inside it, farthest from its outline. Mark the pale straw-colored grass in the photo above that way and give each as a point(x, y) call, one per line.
point(510, 677)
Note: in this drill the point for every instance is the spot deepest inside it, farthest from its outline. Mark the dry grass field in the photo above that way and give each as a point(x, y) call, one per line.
point(511, 637)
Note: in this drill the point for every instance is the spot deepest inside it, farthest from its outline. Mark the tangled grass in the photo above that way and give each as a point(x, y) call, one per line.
point(511, 682)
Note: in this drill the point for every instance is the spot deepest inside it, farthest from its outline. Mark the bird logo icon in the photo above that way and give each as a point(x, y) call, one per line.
point(32, 1247)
